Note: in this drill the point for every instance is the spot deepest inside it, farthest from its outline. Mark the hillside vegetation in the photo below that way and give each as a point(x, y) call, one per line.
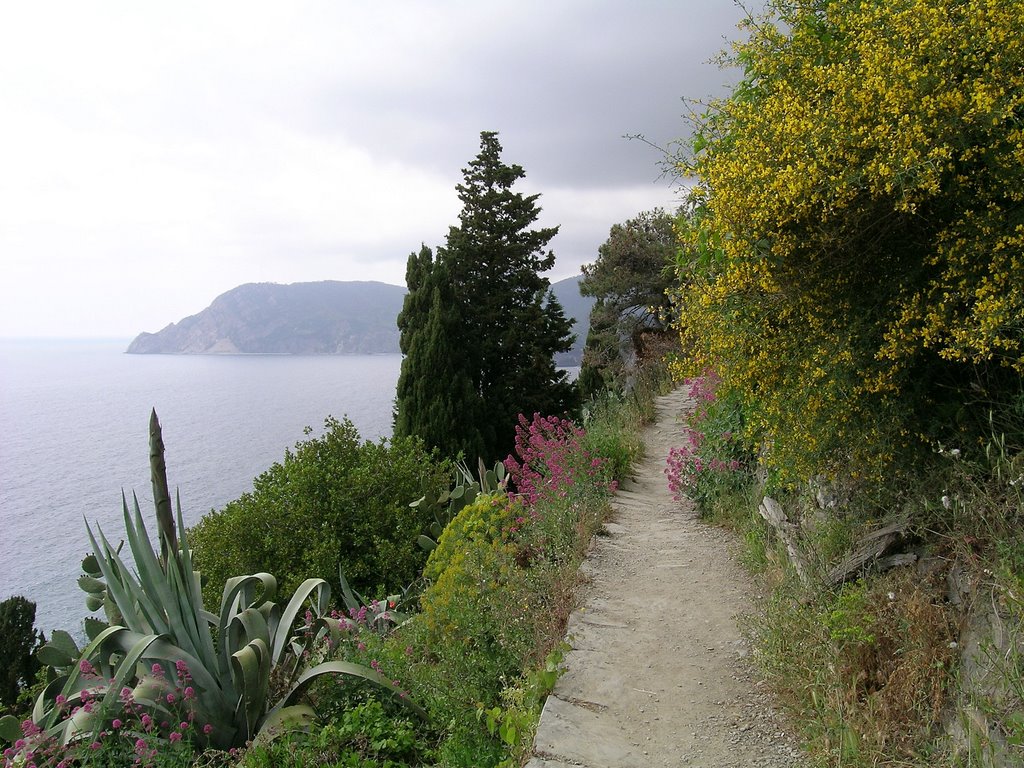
point(848, 295)
point(851, 310)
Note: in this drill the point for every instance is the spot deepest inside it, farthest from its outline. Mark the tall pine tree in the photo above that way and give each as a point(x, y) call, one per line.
point(480, 327)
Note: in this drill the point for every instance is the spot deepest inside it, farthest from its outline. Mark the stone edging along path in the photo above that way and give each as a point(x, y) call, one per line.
point(659, 674)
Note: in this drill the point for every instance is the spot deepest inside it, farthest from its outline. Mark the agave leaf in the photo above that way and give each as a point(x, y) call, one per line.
point(118, 578)
point(151, 688)
point(239, 593)
point(192, 596)
point(82, 721)
point(324, 626)
point(71, 683)
point(126, 665)
point(49, 693)
point(155, 599)
point(251, 670)
point(297, 717)
point(122, 643)
point(350, 670)
point(348, 595)
point(247, 626)
point(320, 591)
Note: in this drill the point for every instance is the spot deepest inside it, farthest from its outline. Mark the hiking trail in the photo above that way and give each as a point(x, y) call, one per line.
point(658, 673)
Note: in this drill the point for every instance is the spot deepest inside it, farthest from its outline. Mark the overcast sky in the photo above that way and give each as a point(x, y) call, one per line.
point(156, 154)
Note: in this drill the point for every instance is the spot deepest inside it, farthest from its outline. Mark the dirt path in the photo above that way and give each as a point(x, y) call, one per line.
point(658, 674)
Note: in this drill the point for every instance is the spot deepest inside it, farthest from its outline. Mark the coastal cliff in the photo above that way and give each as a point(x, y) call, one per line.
point(321, 318)
point(328, 317)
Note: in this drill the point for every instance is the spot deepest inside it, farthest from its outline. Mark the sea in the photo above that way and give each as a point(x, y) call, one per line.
point(74, 435)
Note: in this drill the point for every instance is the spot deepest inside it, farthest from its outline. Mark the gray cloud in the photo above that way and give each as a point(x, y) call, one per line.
point(197, 146)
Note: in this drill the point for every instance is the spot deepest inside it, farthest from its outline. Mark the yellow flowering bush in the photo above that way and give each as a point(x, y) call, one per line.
point(854, 251)
point(479, 594)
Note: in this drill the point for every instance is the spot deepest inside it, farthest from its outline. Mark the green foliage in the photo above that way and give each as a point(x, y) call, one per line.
point(612, 432)
point(484, 649)
point(852, 251)
point(487, 519)
point(333, 502)
point(479, 326)
point(363, 736)
point(19, 640)
point(515, 720)
point(850, 619)
point(631, 280)
point(161, 653)
point(851, 268)
point(490, 616)
point(480, 599)
point(712, 459)
point(465, 489)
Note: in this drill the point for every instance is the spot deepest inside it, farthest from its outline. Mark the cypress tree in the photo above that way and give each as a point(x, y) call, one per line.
point(479, 326)
point(19, 640)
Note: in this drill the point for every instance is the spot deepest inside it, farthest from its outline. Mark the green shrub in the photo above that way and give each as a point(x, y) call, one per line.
point(612, 427)
point(363, 736)
point(332, 501)
point(480, 596)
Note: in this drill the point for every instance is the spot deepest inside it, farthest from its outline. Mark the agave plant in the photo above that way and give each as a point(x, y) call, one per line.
point(158, 633)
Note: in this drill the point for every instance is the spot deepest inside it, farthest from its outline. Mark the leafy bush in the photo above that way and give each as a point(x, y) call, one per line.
point(852, 253)
point(480, 596)
point(332, 501)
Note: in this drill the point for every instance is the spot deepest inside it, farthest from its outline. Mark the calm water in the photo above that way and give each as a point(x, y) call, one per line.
point(74, 422)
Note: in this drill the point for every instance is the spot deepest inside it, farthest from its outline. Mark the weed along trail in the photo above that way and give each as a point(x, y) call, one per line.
point(659, 674)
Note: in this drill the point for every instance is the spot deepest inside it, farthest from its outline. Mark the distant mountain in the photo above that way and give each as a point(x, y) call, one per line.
point(322, 318)
point(578, 307)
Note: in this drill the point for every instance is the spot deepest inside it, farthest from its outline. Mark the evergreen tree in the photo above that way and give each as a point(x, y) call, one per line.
point(479, 327)
point(630, 280)
point(19, 640)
